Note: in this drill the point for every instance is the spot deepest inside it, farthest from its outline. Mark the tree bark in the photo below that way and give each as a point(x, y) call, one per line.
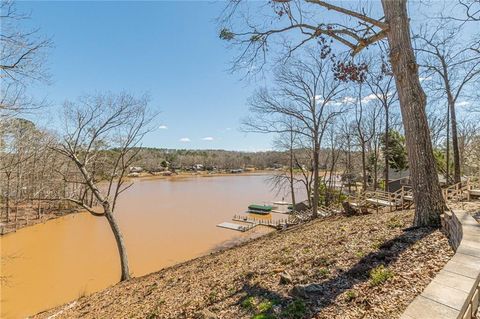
point(428, 199)
point(7, 197)
point(364, 167)
point(451, 120)
point(316, 178)
point(387, 143)
point(122, 251)
point(447, 155)
point(456, 152)
point(292, 188)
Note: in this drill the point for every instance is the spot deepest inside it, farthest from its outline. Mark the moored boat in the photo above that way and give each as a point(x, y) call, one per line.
point(260, 209)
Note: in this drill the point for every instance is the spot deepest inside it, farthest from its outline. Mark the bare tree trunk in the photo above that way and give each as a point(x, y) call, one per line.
point(292, 189)
point(316, 178)
point(447, 155)
point(7, 197)
point(364, 167)
point(349, 165)
point(387, 143)
point(122, 251)
point(375, 169)
point(429, 202)
point(456, 152)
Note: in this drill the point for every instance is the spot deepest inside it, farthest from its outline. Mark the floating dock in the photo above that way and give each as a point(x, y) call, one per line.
point(234, 226)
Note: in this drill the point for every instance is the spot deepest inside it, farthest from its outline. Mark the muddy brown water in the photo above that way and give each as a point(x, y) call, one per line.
point(164, 222)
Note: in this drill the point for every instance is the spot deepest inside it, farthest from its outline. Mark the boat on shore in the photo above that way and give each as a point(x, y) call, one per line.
point(260, 209)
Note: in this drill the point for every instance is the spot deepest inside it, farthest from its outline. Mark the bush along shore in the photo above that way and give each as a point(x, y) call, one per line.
point(368, 266)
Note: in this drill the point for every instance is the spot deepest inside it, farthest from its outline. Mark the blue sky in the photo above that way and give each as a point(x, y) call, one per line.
point(169, 49)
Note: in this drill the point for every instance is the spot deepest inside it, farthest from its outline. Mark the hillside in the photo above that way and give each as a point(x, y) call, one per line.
point(357, 267)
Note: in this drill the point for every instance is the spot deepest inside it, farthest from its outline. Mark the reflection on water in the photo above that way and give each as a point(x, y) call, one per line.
point(164, 222)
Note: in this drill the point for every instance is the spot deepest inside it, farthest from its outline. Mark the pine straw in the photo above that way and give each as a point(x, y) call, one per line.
point(337, 253)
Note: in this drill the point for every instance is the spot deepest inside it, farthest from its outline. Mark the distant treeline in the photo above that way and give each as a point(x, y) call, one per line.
point(155, 158)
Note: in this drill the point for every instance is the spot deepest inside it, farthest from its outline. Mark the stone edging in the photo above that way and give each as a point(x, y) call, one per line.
point(454, 292)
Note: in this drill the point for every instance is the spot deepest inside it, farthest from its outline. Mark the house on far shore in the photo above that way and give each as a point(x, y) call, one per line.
point(197, 167)
point(136, 169)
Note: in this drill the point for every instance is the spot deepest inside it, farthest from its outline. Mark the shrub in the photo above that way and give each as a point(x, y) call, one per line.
point(395, 222)
point(379, 275)
point(323, 272)
point(265, 306)
point(248, 303)
point(295, 310)
point(350, 295)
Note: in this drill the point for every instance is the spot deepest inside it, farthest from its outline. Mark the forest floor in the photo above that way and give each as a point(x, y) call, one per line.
point(337, 267)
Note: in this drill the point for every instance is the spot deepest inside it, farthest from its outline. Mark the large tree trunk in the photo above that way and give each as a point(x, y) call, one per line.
point(122, 251)
point(429, 202)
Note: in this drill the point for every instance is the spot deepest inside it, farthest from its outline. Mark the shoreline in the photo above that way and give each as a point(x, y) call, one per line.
point(181, 175)
point(31, 218)
point(12, 226)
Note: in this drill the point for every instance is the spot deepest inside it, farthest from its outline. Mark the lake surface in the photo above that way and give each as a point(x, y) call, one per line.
point(164, 222)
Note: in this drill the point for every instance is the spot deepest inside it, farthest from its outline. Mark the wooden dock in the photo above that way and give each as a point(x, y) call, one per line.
point(233, 226)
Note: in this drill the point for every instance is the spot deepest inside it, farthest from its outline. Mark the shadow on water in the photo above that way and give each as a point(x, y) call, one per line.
point(304, 301)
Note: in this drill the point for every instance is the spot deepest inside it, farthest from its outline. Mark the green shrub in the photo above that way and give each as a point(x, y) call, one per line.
point(323, 272)
point(248, 303)
point(265, 306)
point(295, 310)
point(379, 275)
point(395, 222)
point(360, 254)
point(350, 295)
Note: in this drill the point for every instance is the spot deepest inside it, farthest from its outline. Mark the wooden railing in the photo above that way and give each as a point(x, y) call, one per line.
point(456, 192)
point(393, 200)
point(258, 221)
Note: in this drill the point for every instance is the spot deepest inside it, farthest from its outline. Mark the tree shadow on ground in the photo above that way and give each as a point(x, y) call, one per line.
point(304, 301)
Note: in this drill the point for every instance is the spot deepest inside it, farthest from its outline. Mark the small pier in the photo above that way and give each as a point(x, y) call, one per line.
point(261, 210)
point(233, 226)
